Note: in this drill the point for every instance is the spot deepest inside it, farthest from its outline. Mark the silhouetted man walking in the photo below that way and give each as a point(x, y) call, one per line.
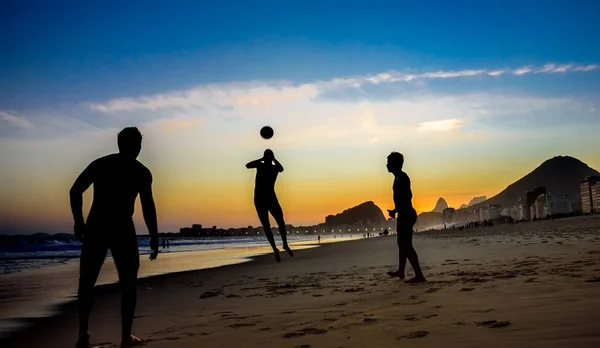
point(265, 199)
point(117, 180)
point(407, 217)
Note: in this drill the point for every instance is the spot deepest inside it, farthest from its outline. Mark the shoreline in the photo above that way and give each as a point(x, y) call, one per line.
point(23, 324)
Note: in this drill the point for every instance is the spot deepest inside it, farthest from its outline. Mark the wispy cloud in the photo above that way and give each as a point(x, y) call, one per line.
point(264, 94)
point(15, 120)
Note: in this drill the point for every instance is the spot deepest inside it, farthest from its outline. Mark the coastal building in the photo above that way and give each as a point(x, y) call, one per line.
point(521, 210)
point(558, 203)
point(449, 216)
point(531, 197)
point(596, 196)
point(490, 212)
point(588, 204)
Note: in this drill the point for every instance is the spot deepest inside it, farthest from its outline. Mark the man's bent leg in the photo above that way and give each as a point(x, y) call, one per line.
point(93, 253)
point(125, 253)
point(277, 212)
point(262, 209)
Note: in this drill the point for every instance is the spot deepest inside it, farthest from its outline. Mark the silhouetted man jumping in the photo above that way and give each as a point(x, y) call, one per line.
point(265, 199)
point(117, 180)
point(407, 217)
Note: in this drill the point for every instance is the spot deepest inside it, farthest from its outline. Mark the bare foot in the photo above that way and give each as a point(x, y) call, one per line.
point(83, 341)
point(277, 257)
point(396, 274)
point(289, 251)
point(415, 280)
point(131, 341)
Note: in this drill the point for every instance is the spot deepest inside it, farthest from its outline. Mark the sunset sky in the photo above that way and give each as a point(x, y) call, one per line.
point(474, 95)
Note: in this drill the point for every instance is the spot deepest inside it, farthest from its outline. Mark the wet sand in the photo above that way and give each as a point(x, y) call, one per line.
point(524, 285)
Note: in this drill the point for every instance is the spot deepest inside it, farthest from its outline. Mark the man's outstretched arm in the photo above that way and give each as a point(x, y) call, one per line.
point(278, 165)
point(149, 211)
point(82, 183)
point(253, 164)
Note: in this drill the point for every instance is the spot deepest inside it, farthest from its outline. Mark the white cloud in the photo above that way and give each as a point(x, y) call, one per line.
point(18, 121)
point(496, 72)
point(522, 71)
point(441, 125)
point(265, 94)
point(587, 67)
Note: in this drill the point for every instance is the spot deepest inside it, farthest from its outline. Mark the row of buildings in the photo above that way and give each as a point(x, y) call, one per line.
point(359, 228)
point(535, 204)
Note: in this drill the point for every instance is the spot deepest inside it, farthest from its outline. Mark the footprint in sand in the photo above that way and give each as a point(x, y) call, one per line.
point(354, 290)
point(416, 334)
point(208, 294)
point(492, 324)
point(593, 280)
point(234, 326)
point(430, 290)
point(484, 310)
point(304, 332)
point(467, 289)
point(369, 320)
point(303, 346)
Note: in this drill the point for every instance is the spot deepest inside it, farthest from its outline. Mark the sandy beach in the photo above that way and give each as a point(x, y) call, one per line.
point(531, 284)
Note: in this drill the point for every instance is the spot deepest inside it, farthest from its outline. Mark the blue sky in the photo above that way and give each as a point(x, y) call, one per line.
point(73, 50)
point(449, 83)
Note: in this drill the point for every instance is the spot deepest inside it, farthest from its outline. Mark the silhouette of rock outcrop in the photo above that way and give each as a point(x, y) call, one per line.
point(440, 206)
point(463, 206)
point(560, 173)
point(367, 211)
point(477, 200)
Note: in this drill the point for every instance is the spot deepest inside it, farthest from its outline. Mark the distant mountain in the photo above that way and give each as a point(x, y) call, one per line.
point(477, 200)
point(362, 212)
point(463, 206)
point(561, 173)
point(440, 206)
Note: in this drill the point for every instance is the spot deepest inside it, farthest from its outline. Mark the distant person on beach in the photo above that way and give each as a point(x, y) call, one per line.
point(117, 179)
point(319, 239)
point(405, 220)
point(265, 199)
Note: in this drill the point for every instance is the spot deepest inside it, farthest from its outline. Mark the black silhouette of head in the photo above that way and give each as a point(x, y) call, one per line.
point(395, 162)
point(130, 142)
point(269, 155)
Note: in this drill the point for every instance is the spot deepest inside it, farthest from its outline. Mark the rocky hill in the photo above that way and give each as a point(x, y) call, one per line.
point(362, 212)
point(561, 173)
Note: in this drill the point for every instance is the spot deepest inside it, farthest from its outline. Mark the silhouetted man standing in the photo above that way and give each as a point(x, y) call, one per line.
point(407, 217)
point(265, 199)
point(117, 180)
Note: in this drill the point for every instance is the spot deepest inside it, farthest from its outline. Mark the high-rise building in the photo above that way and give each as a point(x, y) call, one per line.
point(596, 196)
point(558, 203)
point(587, 194)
